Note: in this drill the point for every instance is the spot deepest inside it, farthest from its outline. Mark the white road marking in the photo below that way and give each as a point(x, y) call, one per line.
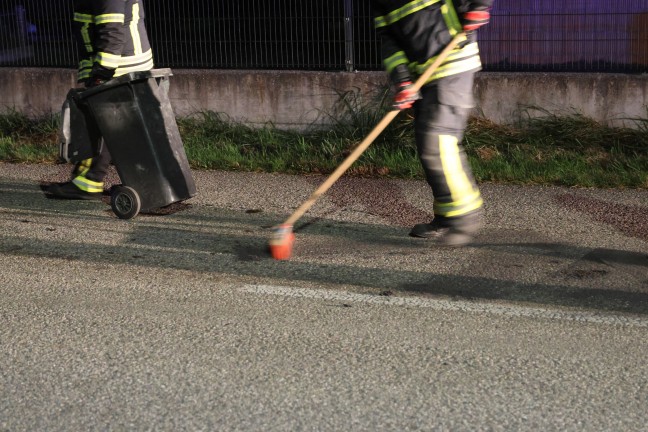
point(450, 305)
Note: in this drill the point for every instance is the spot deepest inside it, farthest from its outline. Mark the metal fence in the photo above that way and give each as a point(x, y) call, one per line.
point(529, 35)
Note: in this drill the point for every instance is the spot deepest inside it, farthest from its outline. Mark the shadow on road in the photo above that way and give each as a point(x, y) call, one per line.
point(212, 240)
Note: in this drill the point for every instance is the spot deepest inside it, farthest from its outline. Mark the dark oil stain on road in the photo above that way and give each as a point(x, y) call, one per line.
point(379, 197)
point(629, 219)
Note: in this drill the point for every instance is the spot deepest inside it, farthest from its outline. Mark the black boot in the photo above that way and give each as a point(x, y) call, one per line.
point(456, 231)
point(69, 190)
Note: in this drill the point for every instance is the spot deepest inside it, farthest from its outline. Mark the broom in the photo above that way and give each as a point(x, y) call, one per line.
point(282, 238)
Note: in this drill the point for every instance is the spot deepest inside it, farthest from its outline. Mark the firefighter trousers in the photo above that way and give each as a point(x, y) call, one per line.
point(88, 174)
point(441, 117)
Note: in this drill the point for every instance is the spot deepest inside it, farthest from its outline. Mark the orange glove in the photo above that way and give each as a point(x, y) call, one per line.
point(405, 97)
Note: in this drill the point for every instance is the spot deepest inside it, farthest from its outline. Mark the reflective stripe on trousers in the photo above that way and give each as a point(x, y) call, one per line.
point(440, 120)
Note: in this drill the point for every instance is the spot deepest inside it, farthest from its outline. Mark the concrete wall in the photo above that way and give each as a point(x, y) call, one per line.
point(296, 99)
point(612, 99)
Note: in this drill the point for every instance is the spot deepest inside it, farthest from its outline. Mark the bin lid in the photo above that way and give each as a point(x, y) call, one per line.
point(153, 73)
point(125, 79)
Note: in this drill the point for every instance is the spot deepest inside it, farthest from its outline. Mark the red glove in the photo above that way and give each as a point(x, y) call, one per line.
point(405, 97)
point(474, 19)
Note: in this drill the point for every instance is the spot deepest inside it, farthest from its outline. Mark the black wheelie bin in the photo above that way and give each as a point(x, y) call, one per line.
point(135, 119)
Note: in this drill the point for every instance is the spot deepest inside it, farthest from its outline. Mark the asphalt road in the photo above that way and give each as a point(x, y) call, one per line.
point(180, 320)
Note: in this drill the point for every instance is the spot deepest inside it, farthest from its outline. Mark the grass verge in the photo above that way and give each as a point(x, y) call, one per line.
point(568, 151)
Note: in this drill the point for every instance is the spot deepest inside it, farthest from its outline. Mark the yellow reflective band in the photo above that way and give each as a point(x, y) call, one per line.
point(111, 61)
point(462, 211)
point(84, 18)
point(467, 51)
point(456, 68)
point(450, 17)
point(83, 74)
point(88, 185)
point(84, 166)
point(444, 13)
point(138, 68)
point(138, 63)
point(85, 35)
point(397, 59)
point(137, 42)
point(456, 178)
point(468, 199)
point(109, 18)
point(140, 58)
point(402, 12)
point(462, 60)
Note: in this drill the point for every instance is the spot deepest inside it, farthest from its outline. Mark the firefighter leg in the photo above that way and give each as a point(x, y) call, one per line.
point(440, 120)
point(88, 174)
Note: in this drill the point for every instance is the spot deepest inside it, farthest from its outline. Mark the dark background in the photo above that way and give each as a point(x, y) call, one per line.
point(529, 35)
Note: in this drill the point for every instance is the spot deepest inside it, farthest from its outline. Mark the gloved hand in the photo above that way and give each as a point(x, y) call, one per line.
point(94, 81)
point(405, 96)
point(475, 18)
point(99, 75)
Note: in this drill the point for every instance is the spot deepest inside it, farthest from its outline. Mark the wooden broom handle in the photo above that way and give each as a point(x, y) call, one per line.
point(355, 154)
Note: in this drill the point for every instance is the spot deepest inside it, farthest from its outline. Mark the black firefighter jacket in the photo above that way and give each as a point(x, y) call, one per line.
point(413, 33)
point(112, 37)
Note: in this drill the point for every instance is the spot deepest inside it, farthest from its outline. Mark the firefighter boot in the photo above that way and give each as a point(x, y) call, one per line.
point(455, 231)
point(69, 190)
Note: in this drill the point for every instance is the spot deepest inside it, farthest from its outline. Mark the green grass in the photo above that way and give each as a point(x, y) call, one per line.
point(569, 151)
point(550, 150)
point(26, 140)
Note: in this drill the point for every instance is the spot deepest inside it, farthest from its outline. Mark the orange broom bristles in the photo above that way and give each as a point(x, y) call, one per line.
point(281, 242)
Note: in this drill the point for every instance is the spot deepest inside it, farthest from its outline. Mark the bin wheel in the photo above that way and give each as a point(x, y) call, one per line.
point(125, 202)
